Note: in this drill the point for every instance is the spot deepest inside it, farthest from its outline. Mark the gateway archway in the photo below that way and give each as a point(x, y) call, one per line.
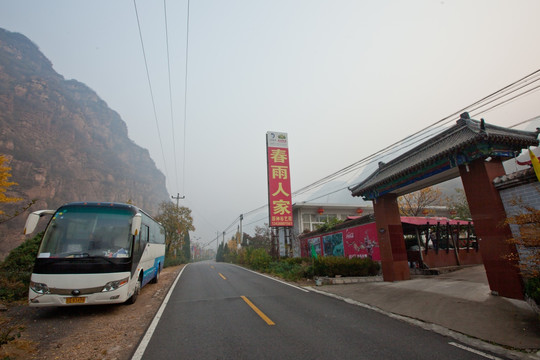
point(474, 151)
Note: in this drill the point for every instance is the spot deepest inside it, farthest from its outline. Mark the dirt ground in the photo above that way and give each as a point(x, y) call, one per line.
point(85, 332)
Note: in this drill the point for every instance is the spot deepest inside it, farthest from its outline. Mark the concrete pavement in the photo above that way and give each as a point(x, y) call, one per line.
point(460, 301)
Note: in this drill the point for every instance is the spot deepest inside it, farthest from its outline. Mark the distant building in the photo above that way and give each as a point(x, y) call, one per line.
point(309, 216)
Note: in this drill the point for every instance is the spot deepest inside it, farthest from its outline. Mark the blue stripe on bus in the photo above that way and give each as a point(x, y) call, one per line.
point(150, 273)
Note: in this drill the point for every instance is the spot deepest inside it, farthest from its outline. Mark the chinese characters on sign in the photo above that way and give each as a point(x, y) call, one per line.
point(279, 182)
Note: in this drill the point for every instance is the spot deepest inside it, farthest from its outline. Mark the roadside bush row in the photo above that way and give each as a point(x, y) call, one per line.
point(332, 266)
point(16, 269)
point(297, 268)
point(172, 261)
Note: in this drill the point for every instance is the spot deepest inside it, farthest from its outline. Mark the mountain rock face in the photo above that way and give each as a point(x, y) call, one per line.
point(63, 142)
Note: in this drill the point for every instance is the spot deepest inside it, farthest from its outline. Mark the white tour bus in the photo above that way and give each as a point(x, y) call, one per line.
point(95, 253)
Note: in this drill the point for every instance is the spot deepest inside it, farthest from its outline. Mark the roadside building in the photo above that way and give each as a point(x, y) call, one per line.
point(431, 242)
point(309, 216)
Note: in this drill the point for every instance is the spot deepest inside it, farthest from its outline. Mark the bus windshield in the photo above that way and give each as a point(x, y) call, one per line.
point(88, 232)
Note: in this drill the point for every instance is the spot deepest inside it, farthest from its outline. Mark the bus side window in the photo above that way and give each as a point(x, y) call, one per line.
point(141, 240)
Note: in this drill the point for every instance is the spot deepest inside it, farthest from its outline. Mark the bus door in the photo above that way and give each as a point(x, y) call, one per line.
point(139, 245)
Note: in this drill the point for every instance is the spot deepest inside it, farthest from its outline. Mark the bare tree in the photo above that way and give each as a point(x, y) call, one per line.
point(416, 203)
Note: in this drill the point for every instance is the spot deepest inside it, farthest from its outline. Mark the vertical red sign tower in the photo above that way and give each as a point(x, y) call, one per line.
point(279, 180)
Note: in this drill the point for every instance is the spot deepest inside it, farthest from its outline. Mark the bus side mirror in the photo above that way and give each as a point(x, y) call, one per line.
point(136, 224)
point(33, 219)
point(31, 223)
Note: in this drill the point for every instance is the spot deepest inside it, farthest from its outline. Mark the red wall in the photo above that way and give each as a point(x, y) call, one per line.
point(358, 241)
point(443, 259)
point(362, 241)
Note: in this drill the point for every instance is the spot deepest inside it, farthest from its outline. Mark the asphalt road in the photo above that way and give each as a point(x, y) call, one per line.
point(221, 311)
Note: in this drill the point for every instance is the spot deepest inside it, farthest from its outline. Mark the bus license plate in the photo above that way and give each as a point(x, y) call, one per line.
point(75, 300)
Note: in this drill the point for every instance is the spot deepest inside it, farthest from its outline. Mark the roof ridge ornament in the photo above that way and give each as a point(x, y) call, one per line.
point(463, 118)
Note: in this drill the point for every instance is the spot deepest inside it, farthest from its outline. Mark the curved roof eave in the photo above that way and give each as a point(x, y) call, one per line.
point(466, 141)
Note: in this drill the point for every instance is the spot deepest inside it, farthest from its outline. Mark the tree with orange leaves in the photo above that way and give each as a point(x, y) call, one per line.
point(5, 184)
point(526, 237)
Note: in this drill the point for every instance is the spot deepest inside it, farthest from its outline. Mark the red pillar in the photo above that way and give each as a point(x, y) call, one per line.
point(488, 214)
point(392, 245)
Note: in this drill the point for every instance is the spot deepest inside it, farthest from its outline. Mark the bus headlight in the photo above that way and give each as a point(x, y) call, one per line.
point(113, 285)
point(39, 288)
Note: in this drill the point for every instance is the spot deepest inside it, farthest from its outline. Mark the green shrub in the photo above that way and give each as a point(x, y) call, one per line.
point(532, 289)
point(231, 257)
point(288, 270)
point(16, 269)
point(333, 265)
point(173, 261)
point(259, 259)
point(243, 255)
point(296, 261)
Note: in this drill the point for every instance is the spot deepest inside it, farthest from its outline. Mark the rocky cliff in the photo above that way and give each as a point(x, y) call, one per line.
point(63, 142)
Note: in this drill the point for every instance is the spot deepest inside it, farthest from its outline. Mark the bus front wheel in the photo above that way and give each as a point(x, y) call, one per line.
point(136, 293)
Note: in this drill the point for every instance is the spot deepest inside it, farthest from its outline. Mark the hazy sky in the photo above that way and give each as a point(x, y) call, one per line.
point(343, 78)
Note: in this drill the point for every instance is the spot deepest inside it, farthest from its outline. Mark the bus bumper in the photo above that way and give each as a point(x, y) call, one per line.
point(65, 296)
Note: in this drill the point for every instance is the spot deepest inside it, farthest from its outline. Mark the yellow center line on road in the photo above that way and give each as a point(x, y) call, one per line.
point(259, 312)
point(224, 278)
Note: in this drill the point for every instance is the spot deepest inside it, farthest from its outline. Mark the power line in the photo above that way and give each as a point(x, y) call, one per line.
point(512, 98)
point(256, 221)
point(170, 90)
point(409, 140)
point(185, 100)
point(150, 87)
point(423, 134)
point(525, 121)
point(232, 224)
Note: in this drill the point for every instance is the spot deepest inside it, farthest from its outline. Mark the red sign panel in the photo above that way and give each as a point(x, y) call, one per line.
point(279, 180)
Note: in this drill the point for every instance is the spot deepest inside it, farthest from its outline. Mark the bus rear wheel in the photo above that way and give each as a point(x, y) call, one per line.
point(155, 280)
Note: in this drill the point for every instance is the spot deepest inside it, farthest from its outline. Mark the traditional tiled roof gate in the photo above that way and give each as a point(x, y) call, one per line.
point(473, 150)
point(437, 159)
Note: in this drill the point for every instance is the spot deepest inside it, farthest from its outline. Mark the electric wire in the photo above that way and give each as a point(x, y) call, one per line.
point(256, 221)
point(413, 137)
point(511, 99)
point(185, 100)
point(232, 224)
point(150, 87)
point(410, 141)
point(422, 134)
point(255, 210)
point(170, 91)
point(503, 94)
point(525, 121)
point(346, 187)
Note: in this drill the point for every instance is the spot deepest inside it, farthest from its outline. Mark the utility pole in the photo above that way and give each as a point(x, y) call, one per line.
point(241, 233)
point(178, 197)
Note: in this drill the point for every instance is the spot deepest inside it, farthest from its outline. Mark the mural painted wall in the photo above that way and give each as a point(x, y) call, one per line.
point(358, 241)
